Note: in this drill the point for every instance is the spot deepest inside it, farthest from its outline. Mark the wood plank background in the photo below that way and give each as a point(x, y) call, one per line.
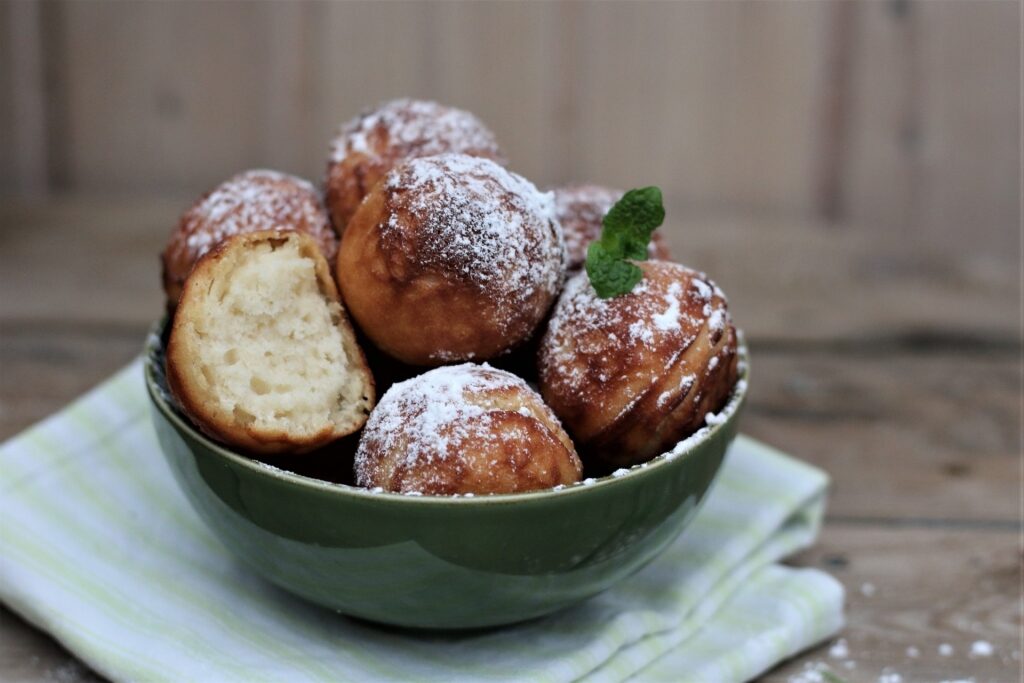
point(850, 172)
point(890, 117)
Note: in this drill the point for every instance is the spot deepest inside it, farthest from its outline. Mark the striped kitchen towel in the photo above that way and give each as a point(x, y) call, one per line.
point(99, 548)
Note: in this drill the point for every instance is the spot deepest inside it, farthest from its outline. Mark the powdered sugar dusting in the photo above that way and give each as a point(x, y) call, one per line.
point(660, 313)
point(252, 201)
point(716, 321)
point(685, 384)
point(430, 411)
point(479, 223)
point(428, 418)
point(839, 649)
point(811, 673)
point(721, 418)
point(712, 419)
point(703, 290)
point(414, 128)
point(669, 318)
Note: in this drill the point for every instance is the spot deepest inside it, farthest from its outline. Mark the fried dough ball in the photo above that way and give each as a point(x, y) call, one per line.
point(251, 201)
point(464, 429)
point(580, 209)
point(632, 375)
point(261, 355)
point(451, 258)
point(377, 140)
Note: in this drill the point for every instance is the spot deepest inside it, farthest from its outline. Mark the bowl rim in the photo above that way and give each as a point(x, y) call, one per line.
point(659, 463)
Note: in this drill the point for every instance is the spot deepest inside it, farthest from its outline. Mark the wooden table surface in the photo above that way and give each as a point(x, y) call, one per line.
point(895, 369)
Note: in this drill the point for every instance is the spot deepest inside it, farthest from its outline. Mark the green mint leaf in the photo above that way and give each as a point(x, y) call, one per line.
point(609, 274)
point(626, 230)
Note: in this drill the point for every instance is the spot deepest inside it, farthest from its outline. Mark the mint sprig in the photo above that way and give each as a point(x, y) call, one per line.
point(625, 232)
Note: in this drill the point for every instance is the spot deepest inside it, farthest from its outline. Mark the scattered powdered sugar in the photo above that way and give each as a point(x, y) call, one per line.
point(682, 389)
point(813, 672)
point(981, 648)
point(867, 589)
point(913, 652)
point(716, 321)
point(256, 200)
point(414, 128)
point(946, 650)
point(430, 410)
point(839, 650)
point(669, 318)
point(588, 481)
point(258, 463)
point(479, 223)
point(426, 418)
point(69, 672)
point(711, 419)
point(703, 289)
point(661, 315)
point(889, 676)
point(621, 472)
point(686, 444)
point(723, 416)
point(640, 330)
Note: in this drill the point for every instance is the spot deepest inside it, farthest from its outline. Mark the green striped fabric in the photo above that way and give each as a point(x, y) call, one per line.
point(99, 548)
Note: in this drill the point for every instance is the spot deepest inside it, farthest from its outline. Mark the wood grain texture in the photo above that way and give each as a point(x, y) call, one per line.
point(930, 587)
point(167, 98)
point(28, 655)
point(23, 142)
point(928, 437)
point(896, 117)
point(927, 158)
point(8, 166)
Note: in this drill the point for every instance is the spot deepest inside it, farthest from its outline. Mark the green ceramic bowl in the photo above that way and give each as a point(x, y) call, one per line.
point(437, 561)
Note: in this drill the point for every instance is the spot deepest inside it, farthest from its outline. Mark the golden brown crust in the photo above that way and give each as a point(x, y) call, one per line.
point(248, 202)
point(632, 375)
point(580, 209)
point(183, 370)
point(451, 258)
point(377, 140)
point(464, 429)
